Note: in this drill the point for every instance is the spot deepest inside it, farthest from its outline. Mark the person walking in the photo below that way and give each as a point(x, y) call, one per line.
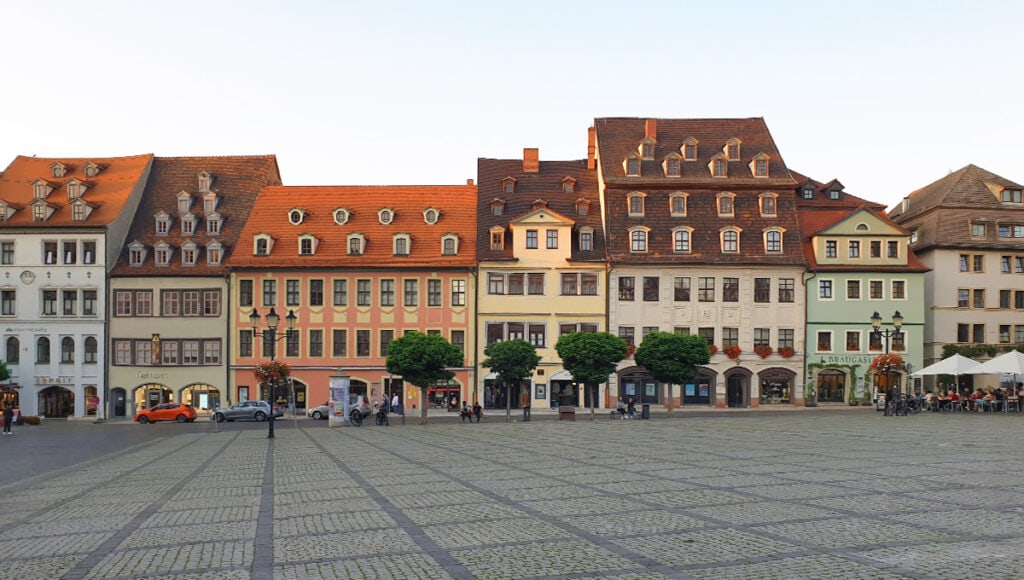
point(394, 403)
point(8, 419)
point(525, 400)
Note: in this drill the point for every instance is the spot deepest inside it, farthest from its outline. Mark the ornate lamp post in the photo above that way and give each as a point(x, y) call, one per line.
point(878, 331)
point(273, 320)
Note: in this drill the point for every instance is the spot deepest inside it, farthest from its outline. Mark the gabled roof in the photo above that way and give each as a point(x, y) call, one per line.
point(237, 180)
point(109, 191)
point(455, 203)
point(968, 187)
point(544, 184)
point(618, 136)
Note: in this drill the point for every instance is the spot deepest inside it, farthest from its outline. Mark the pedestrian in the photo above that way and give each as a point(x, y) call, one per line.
point(465, 413)
point(631, 408)
point(8, 419)
point(621, 408)
point(394, 403)
point(524, 399)
point(478, 411)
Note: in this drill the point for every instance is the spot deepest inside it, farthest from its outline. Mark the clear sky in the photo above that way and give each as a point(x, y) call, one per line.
point(886, 96)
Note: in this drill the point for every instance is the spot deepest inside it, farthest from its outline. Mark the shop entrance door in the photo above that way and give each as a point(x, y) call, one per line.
point(120, 398)
point(734, 391)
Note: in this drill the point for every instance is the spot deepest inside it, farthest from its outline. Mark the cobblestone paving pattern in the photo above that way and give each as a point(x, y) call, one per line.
point(772, 495)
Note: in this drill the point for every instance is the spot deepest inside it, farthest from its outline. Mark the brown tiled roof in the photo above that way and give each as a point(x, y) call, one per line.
point(546, 184)
point(965, 188)
point(108, 191)
point(456, 204)
point(821, 199)
point(618, 137)
point(236, 180)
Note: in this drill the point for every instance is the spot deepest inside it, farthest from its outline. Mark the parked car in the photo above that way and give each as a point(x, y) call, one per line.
point(247, 411)
point(179, 412)
point(356, 404)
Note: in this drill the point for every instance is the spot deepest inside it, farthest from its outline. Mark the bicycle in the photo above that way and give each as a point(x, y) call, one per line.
point(356, 418)
point(382, 417)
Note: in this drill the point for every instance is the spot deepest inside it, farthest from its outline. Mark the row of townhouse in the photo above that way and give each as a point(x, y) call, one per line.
point(132, 281)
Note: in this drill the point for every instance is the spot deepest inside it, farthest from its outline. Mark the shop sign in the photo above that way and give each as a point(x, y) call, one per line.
point(43, 380)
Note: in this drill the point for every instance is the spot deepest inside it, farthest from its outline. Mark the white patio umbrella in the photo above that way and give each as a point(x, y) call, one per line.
point(1008, 363)
point(954, 365)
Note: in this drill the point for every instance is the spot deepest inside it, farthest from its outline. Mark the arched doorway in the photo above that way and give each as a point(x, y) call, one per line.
point(831, 386)
point(638, 384)
point(9, 396)
point(700, 391)
point(737, 388)
point(119, 400)
point(204, 398)
point(150, 395)
point(56, 402)
point(776, 386)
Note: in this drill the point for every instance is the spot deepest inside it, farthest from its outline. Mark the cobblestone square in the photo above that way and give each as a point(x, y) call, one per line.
point(799, 494)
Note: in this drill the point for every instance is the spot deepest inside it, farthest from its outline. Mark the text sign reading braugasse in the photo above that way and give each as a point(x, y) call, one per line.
point(846, 359)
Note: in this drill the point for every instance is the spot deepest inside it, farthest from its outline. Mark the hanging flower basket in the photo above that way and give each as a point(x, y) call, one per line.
point(763, 351)
point(713, 349)
point(887, 362)
point(733, 351)
point(272, 372)
point(630, 349)
point(786, 352)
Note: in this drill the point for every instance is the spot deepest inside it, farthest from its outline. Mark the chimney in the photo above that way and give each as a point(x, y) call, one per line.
point(591, 147)
point(531, 160)
point(651, 129)
point(469, 182)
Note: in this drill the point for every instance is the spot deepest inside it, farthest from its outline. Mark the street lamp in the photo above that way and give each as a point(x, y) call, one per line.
point(273, 320)
point(878, 331)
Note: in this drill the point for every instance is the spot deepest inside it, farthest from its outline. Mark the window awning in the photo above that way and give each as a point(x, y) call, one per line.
point(490, 376)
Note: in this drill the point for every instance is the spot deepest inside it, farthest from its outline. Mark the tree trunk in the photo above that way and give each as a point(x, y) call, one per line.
point(593, 402)
point(669, 400)
point(508, 403)
point(423, 406)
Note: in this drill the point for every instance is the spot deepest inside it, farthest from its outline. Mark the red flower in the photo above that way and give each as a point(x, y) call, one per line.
point(786, 352)
point(272, 372)
point(630, 349)
point(887, 362)
point(713, 349)
point(733, 351)
point(763, 351)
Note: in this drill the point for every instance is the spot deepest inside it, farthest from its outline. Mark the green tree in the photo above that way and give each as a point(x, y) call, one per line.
point(5, 373)
point(672, 358)
point(513, 361)
point(422, 360)
point(590, 357)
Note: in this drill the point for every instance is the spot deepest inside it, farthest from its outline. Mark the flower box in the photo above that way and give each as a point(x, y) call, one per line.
point(732, 351)
point(763, 351)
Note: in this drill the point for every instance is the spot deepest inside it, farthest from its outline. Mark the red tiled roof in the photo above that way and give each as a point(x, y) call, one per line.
point(821, 199)
point(456, 204)
point(108, 191)
point(236, 180)
point(545, 184)
point(815, 220)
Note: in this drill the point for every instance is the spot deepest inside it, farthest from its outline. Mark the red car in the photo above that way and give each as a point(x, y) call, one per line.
point(179, 412)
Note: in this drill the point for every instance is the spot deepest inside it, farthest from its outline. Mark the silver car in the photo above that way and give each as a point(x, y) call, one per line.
point(247, 411)
point(357, 404)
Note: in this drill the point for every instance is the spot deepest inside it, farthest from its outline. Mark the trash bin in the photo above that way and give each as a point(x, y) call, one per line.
point(645, 411)
point(567, 413)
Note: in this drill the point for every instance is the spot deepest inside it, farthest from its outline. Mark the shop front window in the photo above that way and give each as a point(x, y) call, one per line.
point(831, 386)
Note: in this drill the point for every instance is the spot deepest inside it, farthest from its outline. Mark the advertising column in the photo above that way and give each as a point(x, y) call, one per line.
point(338, 405)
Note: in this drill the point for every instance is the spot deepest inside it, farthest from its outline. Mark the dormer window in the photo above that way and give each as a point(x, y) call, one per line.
point(40, 212)
point(136, 254)
point(582, 206)
point(632, 164)
point(636, 203)
point(204, 181)
point(732, 149)
point(586, 239)
point(163, 224)
point(210, 202)
point(672, 165)
point(497, 207)
point(638, 239)
point(75, 189)
point(497, 239)
point(449, 245)
point(677, 204)
point(568, 185)
point(214, 253)
point(91, 169)
point(356, 244)
point(647, 148)
point(508, 185)
point(833, 193)
point(689, 149)
point(430, 215)
point(213, 223)
point(726, 204)
point(759, 165)
point(188, 224)
point(773, 240)
point(807, 192)
point(1012, 196)
point(401, 244)
point(681, 239)
point(188, 254)
point(386, 216)
point(262, 244)
point(184, 202)
point(718, 167)
point(730, 238)
point(80, 210)
point(768, 203)
point(307, 244)
point(58, 169)
point(341, 216)
point(5, 211)
point(296, 216)
point(40, 189)
point(162, 254)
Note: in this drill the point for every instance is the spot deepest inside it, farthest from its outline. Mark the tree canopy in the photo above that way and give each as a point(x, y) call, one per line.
point(513, 361)
point(590, 357)
point(423, 360)
point(672, 358)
